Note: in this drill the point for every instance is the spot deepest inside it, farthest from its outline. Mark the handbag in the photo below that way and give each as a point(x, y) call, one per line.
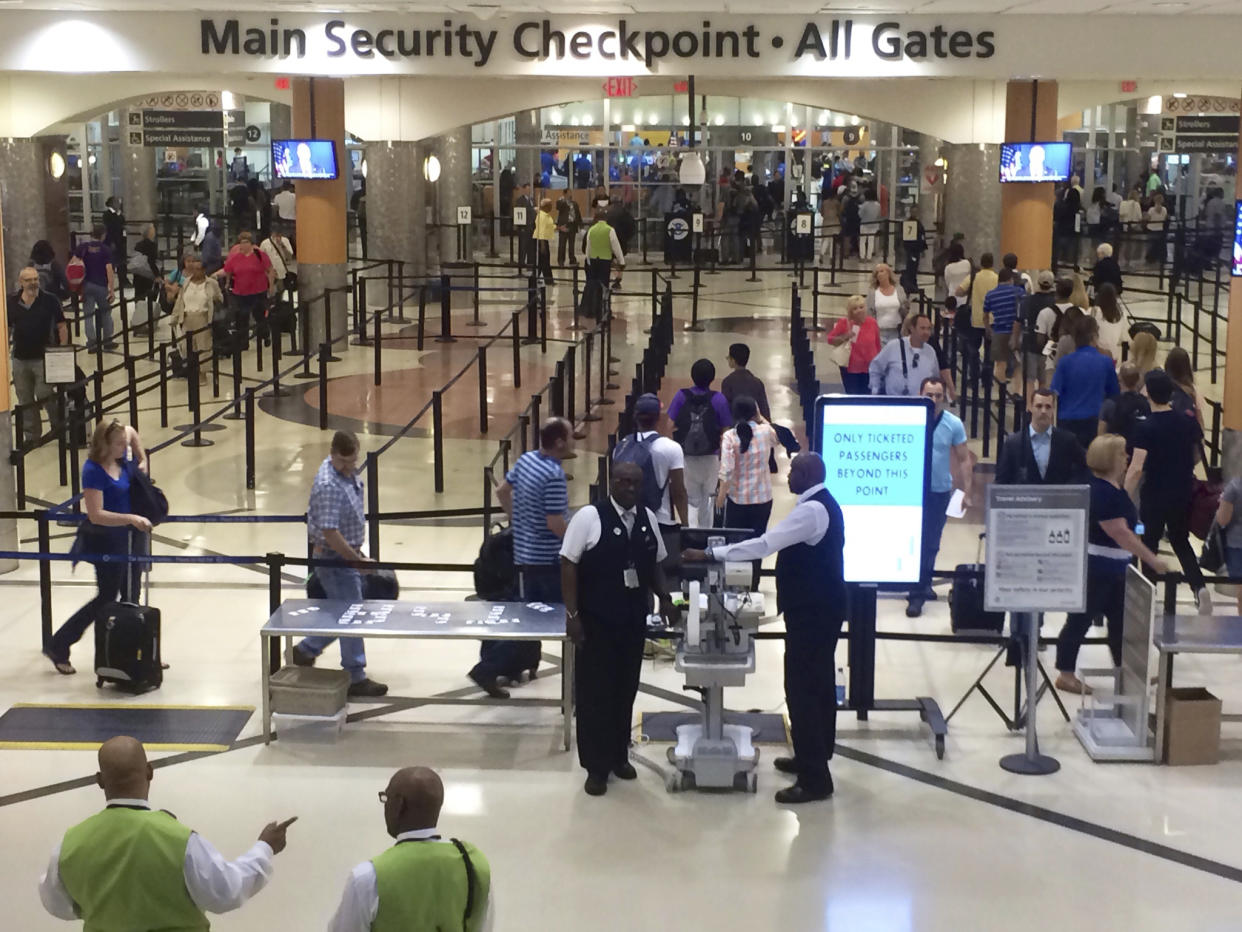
point(840, 355)
point(145, 497)
point(1212, 558)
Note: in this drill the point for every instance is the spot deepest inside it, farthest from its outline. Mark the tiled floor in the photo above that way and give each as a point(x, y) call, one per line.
point(908, 842)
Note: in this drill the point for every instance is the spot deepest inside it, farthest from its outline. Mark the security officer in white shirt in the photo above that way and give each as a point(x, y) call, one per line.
point(811, 594)
point(134, 868)
point(610, 566)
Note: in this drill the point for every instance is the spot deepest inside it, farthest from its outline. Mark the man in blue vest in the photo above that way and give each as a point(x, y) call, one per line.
point(610, 566)
point(131, 867)
point(423, 881)
point(810, 592)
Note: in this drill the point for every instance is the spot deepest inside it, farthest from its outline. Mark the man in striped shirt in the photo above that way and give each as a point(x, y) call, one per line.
point(1000, 308)
point(535, 496)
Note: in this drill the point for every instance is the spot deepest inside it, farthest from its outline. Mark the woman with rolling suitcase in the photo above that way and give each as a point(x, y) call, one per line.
point(110, 527)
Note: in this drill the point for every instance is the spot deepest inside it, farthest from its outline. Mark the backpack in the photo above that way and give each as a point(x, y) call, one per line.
point(495, 577)
point(75, 273)
point(638, 452)
point(47, 281)
point(696, 427)
point(1128, 409)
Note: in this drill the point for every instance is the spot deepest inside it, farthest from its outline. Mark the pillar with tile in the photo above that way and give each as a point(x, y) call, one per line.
point(1026, 208)
point(396, 204)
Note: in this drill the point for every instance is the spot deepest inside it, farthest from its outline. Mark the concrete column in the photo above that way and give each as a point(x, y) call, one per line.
point(1030, 116)
point(396, 204)
point(22, 173)
point(527, 133)
point(319, 113)
point(454, 190)
point(137, 173)
point(280, 121)
point(972, 197)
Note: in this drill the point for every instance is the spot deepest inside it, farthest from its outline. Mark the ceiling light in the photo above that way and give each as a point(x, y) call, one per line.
point(854, 121)
point(555, 115)
point(1179, 96)
point(823, 118)
point(652, 119)
point(838, 120)
point(431, 168)
point(56, 165)
point(363, 167)
point(719, 121)
point(90, 160)
point(778, 127)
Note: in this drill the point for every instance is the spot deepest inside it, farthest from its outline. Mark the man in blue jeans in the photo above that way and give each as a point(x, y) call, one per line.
point(336, 523)
point(950, 468)
point(98, 287)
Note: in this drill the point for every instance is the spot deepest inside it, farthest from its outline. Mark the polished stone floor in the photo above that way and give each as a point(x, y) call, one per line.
point(907, 843)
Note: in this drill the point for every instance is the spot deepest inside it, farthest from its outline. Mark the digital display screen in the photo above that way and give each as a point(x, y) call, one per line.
point(1237, 239)
point(877, 454)
point(1036, 161)
point(304, 158)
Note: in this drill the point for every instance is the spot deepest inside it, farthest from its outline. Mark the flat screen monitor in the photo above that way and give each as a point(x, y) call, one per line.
point(1035, 161)
point(304, 158)
point(877, 455)
point(1237, 239)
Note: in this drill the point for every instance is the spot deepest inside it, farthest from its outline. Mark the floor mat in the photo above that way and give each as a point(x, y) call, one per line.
point(29, 726)
point(767, 727)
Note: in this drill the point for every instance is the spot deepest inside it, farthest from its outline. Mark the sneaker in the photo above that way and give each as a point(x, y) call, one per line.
point(1204, 598)
point(367, 689)
point(302, 657)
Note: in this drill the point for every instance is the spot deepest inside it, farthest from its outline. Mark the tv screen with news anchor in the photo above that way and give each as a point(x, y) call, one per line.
point(304, 159)
point(1036, 161)
point(1237, 239)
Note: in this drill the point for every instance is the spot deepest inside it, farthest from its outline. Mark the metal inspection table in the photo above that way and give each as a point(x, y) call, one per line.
point(1190, 634)
point(373, 619)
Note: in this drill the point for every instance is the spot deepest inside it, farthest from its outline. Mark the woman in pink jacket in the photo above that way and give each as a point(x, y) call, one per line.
point(855, 341)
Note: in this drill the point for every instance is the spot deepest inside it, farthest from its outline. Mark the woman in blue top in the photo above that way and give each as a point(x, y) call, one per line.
point(1111, 542)
point(107, 530)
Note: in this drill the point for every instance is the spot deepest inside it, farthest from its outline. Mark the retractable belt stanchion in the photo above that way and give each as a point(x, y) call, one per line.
point(483, 389)
point(360, 313)
point(378, 342)
point(446, 311)
point(543, 318)
point(516, 326)
point(325, 355)
point(197, 440)
point(532, 311)
point(474, 321)
point(132, 376)
point(250, 438)
point(535, 421)
point(62, 435)
point(437, 430)
point(277, 391)
point(577, 303)
point(421, 329)
point(45, 577)
point(694, 324)
point(1030, 761)
point(274, 597)
point(373, 521)
point(304, 312)
point(236, 414)
point(327, 325)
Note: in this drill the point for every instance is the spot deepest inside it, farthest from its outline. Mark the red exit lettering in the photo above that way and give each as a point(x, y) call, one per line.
point(620, 87)
point(1129, 87)
point(680, 87)
point(282, 84)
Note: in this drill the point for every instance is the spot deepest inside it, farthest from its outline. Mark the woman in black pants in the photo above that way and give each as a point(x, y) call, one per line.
point(110, 528)
point(745, 491)
point(1111, 542)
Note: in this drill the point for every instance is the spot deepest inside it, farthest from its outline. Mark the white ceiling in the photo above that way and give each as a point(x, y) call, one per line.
point(741, 7)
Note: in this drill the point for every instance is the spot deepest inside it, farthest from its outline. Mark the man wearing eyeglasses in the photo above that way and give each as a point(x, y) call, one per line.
point(423, 881)
point(36, 322)
point(903, 364)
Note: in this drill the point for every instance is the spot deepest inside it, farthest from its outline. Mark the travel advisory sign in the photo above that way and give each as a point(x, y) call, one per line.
point(1036, 548)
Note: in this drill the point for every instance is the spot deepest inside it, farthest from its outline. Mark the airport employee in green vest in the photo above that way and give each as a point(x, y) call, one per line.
point(423, 883)
point(130, 868)
point(600, 249)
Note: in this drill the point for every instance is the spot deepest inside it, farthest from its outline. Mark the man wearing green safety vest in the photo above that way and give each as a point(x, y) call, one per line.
point(600, 250)
point(136, 869)
point(423, 883)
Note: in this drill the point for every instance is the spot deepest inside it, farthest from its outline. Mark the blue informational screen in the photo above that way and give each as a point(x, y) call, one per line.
point(1237, 239)
point(304, 158)
point(1036, 161)
point(877, 453)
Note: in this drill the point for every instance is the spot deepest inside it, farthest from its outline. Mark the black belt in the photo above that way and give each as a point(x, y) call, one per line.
point(538, 567)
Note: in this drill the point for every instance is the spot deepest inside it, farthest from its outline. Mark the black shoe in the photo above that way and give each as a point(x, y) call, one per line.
point(786, 765)
point(625, 771)
point(793, 795)
point(914, 608)
point(302, 657)
point(110, 345)
point(595, 785)
point(367, 689)
point(493, 689)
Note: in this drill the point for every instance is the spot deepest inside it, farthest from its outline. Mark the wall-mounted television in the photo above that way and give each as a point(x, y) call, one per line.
point(1036, 161)
point(1237, 239)
point(304, 158)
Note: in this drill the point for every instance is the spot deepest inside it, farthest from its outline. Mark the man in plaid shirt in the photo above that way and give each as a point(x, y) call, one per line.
point(336, 523)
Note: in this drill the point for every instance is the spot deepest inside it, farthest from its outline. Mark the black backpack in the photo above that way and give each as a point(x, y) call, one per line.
point(495, 576)
point(1128, 409)
point(696, 427)
point(636, 451)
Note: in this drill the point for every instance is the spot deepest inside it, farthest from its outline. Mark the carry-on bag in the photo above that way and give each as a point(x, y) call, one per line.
point(966, 612)
point(127, 639)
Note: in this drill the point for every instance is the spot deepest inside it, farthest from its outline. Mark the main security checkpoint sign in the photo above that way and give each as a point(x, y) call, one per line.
point(877, 458)
point(1037, 548)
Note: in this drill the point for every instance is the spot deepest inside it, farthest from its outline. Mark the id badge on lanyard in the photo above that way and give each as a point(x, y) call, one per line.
point(631, 577)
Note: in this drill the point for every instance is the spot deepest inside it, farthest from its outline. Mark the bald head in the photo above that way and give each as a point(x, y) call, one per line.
point(415, 795)
point(123, 769)
point(627, 484)
point(806, 471)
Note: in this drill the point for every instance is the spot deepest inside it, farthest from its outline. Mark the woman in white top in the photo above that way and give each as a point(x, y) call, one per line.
point(1107, 312)
point(887, 302)
point(1130, 216)
point(1157, 214)
point(745, 492)
point(957, 273)
point(195, 308)
point(869, 224)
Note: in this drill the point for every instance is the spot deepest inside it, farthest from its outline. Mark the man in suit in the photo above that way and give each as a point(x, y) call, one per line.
point(525, 233)
point(1042, 454)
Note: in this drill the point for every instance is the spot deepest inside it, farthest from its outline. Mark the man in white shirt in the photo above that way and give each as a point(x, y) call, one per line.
point(901, 367)
point(131, 867)
point(668, 463)
point(610, 568)
point(286, 203)
point(421, 867)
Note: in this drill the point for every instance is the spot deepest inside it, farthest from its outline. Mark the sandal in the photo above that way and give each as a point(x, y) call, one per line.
point(63, 667)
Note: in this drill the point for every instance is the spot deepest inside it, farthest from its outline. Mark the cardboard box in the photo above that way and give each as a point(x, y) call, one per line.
point(1192, 734)
point(309, 691)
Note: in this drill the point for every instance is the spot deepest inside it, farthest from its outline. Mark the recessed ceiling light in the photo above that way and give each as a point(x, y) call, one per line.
point(1179, 95)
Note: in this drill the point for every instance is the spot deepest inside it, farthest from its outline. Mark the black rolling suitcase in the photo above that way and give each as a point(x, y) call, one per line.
point(127, 643)
point(966, 614)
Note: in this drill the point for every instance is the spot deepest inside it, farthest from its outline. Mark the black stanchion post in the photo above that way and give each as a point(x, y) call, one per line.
point(815, 300)
point(197, 440)
point(488, 509)
point(392, 299)
point(215, 373)
point(543, 318)
point(523, 432)
point(373, 512)
point(304, 312)
point(516, 325)
point(77, 428)
point(131, 377)
point(62, 435)
point(378, 342)
point(325, 355)
point(236, 414)
point(655, 300)
point(571, 382)
point(151, 324)
point(360, 313)
point(694, 324)
point(483, 389)
point(277, 391)
point(327, 327)
point(250, 438)
point(45, 578)
point(556, 387)
point(532, 311)
point(18, 459)
point(753, 251)
point(535, 421)
point(446, 311)
point(422, 316)
point(401, 291)
point(124, 308)
point(577, 302)
point(475, 322)
point(275, 562)
point(437, 430)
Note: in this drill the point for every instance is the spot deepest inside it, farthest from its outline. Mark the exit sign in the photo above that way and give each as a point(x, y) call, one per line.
point(282, 84)
point(680, 87)
point(1129, 87)
point(620, 87)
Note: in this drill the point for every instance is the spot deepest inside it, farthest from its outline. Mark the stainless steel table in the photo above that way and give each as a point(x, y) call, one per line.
point(532, 621)
point(1190, 634)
